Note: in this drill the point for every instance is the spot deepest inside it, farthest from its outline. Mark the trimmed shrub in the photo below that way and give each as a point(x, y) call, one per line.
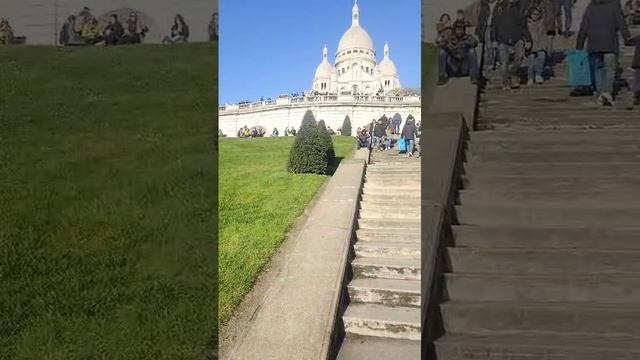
point(308, 155)
point(326, 142)
point(346, 126)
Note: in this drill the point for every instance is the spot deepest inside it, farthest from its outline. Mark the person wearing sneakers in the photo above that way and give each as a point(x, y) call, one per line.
point(409, 133)
point(602, 22)
point(509, 31)
point(536, 54)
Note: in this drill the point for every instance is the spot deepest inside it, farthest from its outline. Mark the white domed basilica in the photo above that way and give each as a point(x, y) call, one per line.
point(355, 70)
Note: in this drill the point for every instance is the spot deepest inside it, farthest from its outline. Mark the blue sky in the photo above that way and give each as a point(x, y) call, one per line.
point(271, 47)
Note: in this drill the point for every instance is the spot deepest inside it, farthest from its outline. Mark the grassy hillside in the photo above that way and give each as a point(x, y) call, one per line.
point(259, 201)
point(108, 201)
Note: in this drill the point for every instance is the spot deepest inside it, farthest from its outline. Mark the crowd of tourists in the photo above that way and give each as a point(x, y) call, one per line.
point(517, 39)
point(85, 29)
point(379, 135)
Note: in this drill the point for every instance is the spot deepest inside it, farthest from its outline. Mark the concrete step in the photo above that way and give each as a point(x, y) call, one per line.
point(410, 185)
point(589, 237)
point(538, 260)
point(386, 236)
point(391, 225)
point(583, 198)
point(557, 156)
point(373, 201)
point(394, 249)
point(506, 318)
point(382, 321)
point(555, 183)
point(543, 137)
point(390, 213)
point(391, 191)
point(389, 170)
point(536, 347)
point(366, 348)
point(598, 288)
point(386, 268)
point(558, 215)
point(385, 291)
point(608, 145)
point(545, 169)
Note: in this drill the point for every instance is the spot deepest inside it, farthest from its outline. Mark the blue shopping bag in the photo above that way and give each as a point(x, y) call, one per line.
point(578, 68)
point(402, 145)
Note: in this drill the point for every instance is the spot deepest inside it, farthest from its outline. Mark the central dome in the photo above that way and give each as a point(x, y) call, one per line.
point(355, 36)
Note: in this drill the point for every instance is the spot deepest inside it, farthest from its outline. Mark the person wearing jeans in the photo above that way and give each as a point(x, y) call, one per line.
point(567, 10)
point(602, 22)
point(537, 55)
point(510, 32)
point(409, 133)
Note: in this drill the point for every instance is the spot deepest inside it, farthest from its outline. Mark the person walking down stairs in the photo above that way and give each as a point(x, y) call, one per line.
point(602, 21)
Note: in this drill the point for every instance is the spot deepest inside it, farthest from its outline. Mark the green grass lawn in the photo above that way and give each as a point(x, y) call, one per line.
point(259, 201)
point(107, 202)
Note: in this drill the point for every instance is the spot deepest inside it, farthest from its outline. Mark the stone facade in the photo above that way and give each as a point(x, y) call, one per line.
point(40, 20)
point(288, 112)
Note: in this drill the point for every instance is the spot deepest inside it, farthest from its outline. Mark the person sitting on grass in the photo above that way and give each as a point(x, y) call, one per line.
point(92, 33)
point(134, 32)
point(6, 32)
point(213, 27)
point(292, 131)
point(114, 31)
point(179, 32)
point(274, 133)
point(458, 55)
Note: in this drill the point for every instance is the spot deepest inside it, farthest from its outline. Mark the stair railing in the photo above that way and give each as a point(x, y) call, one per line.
point(445, 141)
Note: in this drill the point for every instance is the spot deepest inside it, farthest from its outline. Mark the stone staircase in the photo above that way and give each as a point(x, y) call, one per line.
point(382, 320)
point(545, 261)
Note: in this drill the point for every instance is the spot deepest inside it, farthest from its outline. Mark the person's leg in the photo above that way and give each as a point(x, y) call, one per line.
point(472, 61)
point(504, 63)
point(442, 64)
point(636, 86)
point(518, 56)
point(610, 61)
point(567, 10)
point(531, 62)
point(539, 66)
point(598, 68)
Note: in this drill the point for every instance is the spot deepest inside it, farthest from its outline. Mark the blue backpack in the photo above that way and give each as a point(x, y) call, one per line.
point(579, 69)
point(402, 146)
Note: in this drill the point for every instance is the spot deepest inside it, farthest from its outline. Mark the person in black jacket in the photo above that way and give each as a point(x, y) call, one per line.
point(601, 23)
point(114, 31)
point(510, 33)
point(409, 133)
point(379, 133)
